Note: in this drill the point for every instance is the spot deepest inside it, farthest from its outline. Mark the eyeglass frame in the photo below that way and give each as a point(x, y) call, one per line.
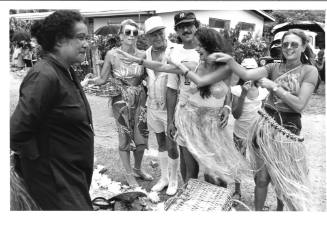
point(131, 32)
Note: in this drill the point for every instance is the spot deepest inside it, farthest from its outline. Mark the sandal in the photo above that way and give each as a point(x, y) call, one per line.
point(138, 173)
point(236, 196)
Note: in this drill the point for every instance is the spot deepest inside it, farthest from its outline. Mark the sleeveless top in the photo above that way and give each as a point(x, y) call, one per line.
point(126, 72)
point(218, 92)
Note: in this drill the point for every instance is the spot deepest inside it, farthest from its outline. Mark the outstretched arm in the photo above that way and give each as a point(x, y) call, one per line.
point(105, 72)
point(245, 74)
point(220, 74)
point(153, 65)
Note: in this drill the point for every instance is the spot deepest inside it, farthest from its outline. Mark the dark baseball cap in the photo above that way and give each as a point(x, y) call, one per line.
point(184, 17)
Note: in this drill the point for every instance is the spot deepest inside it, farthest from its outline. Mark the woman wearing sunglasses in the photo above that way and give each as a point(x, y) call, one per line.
point(279, 154)
point(127, 99)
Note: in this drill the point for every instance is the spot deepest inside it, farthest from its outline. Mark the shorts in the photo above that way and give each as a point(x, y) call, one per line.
point(157, 120)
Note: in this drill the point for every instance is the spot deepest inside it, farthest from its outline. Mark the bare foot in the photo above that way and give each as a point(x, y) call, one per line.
point(138, 173)
point(131, 180)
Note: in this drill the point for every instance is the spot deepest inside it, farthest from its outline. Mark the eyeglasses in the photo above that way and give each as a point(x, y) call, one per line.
point(129, 32)
point(82, 37)
point(293, 45)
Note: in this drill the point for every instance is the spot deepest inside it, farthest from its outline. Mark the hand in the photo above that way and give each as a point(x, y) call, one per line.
point(219, 57)
point(267, 83)
point(171, 131)
point(246, 86)
point(128, 57)
point(224, 114)
point(99, 62)
point(87, 79)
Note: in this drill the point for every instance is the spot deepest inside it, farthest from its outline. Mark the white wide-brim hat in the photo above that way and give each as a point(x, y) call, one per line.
point(152, 24)
point(249, 63)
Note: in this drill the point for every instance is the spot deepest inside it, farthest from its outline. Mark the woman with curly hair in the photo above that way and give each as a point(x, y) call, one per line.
point(51, 128)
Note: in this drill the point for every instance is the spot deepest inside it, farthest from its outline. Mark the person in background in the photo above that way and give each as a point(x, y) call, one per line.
point(156, 105)
point(320, 64)
point(27, 55)
point(51, 128)
point(281, 160)
point(127, 100)
point(246, 102)
point(17, 56)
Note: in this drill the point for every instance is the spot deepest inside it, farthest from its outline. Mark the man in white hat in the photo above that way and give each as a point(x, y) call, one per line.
point(156, 105)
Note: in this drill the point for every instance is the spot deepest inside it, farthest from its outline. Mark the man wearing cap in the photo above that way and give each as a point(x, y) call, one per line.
point(156, 105)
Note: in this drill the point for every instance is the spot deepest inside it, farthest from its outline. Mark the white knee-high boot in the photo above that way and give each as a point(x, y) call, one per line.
point(173, 178)
point(164, 178)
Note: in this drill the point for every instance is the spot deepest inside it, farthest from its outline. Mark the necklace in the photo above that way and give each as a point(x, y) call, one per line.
point(291, 67)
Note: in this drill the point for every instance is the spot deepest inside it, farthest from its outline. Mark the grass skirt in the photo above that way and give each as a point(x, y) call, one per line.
point(209, 144)
point(283, 154)
point(20, 198)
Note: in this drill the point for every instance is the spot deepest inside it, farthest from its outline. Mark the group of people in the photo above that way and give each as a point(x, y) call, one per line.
point(186, 103)
point(25, 54)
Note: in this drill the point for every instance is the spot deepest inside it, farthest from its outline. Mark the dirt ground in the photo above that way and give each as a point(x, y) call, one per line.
point(106, 143)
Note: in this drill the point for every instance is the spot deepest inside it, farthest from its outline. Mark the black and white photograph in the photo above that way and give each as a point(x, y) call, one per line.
point(169, 107)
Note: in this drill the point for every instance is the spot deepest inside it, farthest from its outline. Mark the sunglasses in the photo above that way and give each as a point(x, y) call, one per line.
point(293, 45)
point(129, 32)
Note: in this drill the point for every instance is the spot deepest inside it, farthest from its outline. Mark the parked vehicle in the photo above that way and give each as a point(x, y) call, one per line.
point(314, 30)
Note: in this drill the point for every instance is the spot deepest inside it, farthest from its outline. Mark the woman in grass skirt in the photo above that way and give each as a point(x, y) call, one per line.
point(198, 119)
point(277, 151)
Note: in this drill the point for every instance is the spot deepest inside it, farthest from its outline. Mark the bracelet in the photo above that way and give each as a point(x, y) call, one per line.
point(228, 107)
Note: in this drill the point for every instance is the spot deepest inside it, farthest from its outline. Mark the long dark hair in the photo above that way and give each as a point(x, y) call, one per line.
point(211, 41)
point(307, 57)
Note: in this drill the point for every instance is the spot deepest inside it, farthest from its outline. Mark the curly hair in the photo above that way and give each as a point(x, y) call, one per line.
point(211, 41)
point(307, 57)
point(54, 27)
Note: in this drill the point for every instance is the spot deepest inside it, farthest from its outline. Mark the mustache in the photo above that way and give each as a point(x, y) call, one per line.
point(186, 33)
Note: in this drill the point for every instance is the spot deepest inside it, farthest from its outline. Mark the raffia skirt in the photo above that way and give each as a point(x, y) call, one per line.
point(282, 153)
point(212, 146)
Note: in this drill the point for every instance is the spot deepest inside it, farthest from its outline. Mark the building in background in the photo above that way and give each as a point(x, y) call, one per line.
point(249, 20)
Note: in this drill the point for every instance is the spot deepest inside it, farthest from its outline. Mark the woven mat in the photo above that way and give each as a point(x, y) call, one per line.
point(200, 196)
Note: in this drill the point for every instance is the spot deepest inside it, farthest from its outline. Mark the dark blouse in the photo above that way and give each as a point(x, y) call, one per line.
point(51, 128)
